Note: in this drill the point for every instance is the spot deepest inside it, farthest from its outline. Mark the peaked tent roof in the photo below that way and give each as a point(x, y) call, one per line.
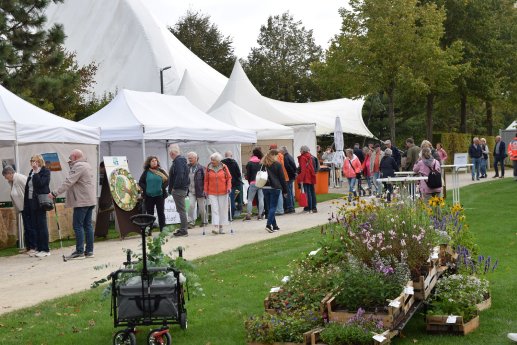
point(241, 91)
point(135, 115)
point(26, 123)
point(232, 114)
point(130, 46)
point(513, 125)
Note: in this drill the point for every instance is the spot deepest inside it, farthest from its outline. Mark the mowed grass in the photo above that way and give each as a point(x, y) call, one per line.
point(237, 281)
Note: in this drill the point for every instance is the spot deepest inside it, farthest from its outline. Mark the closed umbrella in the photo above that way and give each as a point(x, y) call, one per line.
point(339, 144)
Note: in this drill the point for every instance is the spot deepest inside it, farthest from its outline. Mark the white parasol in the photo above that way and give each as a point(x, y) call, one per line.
point(339, 143)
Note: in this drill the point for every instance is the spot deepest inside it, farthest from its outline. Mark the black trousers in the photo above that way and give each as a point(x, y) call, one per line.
point(159, 202)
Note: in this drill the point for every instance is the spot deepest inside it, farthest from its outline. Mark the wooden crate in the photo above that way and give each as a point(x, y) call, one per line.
point(316, 339)
point(425, 284)
point(486, 304)
point(447, 255)
point(267, 303)
point(438, 324)
point(389, 318)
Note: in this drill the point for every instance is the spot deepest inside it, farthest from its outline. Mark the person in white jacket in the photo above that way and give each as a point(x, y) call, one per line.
point(17, 182)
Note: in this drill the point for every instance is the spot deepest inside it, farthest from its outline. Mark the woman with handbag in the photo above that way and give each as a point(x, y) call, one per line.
point(154, 182)
point(307, 177)
point(351, 168)
point(274, 186)
point(37, 184)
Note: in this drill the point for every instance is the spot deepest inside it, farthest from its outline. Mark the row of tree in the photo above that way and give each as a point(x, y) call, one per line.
point(448, 64)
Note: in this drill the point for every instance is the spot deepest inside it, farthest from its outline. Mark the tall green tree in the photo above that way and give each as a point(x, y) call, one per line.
point(280, 67)
point(33, 62)
point(383, 46)
point(486, 29)
point(203, 38)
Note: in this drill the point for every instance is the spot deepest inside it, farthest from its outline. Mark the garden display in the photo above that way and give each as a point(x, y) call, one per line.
point(374, 267)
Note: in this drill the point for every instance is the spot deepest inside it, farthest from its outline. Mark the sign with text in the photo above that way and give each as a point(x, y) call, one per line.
point(171, 215)
point(461, 158)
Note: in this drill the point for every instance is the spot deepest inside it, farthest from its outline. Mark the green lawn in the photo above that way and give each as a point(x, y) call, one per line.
point(237, 281)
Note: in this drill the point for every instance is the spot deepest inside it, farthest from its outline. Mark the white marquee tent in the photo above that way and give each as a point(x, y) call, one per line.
point(131, 46)
point(26, 130)
point(136, 123)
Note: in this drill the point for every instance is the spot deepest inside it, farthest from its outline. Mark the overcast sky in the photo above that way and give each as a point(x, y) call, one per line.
point(241, 19)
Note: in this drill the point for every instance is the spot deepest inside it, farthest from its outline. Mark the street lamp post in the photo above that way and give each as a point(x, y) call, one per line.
point(161, 77)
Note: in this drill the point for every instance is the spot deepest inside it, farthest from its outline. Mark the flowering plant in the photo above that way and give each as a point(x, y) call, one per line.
point(370, 287)
point(397, 230)
point(283, 327)
point(458, 294)
point(357, 331)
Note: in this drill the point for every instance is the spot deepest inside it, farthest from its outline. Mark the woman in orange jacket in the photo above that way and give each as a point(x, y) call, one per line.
point(512, 153)
point(218, 185)
point(351, 167)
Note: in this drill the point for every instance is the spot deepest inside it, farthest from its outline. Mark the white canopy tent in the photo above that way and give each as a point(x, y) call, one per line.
point(131, 46)
point(26, 130)
point(136, 123)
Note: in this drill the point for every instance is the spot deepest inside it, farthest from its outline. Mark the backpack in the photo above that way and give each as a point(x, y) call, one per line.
point(434, 179)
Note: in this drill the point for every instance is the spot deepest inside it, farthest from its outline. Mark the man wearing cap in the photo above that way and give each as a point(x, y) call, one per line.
point(81, 196)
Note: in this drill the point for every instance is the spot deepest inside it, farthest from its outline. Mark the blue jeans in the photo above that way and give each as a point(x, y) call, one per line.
point(311, 196)
point(252, 190)
point(476, 162)
point(280, 204)
point(289, 200)
point(482, 167)
point(271, 197)
point(38, 219)
point(351, 187)
point(83, 228)
point(378, 186)
point(29, 231)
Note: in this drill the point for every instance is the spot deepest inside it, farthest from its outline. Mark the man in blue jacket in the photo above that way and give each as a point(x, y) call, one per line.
point(475, 154)
point(178, 186)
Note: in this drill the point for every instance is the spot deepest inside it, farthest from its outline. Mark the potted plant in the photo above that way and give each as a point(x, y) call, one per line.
point(282, 328)
point(359, 330)
point(453, 304)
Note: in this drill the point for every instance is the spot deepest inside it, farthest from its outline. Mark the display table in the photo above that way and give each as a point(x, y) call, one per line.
point(407, 184)
point(455, 180)
point(9, 225)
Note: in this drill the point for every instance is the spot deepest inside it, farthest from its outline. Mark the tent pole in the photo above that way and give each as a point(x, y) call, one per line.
point(143, 144)
point(167, 153)
point(21, 239)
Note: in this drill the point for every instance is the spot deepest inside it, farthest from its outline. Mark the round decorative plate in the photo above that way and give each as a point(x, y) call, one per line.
point(123, 189)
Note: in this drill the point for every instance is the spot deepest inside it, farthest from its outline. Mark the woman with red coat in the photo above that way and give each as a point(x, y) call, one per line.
point(351, 167)
point(366, 167)
point(307, 177)
point(218, 185)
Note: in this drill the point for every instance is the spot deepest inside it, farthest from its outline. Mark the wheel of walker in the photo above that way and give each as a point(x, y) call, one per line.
point(159, 337)
point(124, 337)
point(183, 320)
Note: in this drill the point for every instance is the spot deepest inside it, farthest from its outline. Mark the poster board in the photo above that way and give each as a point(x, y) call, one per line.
point(171, 215)
point(52, 161)
point(461, 159)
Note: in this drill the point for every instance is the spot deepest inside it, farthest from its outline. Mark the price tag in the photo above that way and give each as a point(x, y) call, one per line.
point(379, 337)
point(314, 252)
point(274, 289)
point(395, 303)
point(451, 319)
point(409, 290)
point(285, 279)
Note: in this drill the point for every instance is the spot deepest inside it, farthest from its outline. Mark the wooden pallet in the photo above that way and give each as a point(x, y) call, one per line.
point(306, 340)
point(390, 318)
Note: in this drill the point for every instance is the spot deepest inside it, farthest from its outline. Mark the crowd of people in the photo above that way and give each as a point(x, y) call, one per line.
point(194, 186)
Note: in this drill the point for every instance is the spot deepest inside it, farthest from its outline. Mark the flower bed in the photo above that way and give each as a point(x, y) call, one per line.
point(444, 324)
point(390, 317)
point(383, 338)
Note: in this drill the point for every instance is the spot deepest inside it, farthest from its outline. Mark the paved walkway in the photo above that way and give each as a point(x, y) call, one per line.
point(28, 281)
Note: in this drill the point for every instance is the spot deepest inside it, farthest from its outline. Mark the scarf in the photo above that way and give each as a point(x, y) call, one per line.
point(159, 173)
point(429, 162)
